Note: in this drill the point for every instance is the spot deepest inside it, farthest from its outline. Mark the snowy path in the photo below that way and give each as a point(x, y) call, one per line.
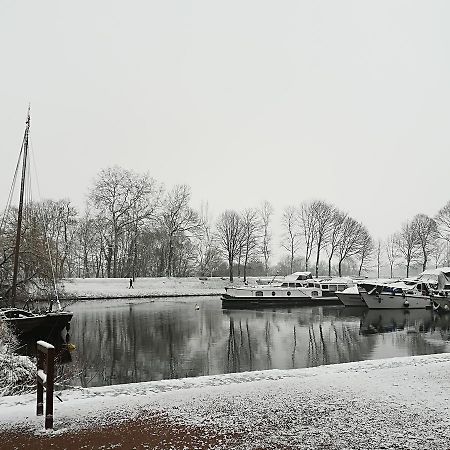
point(400, 403)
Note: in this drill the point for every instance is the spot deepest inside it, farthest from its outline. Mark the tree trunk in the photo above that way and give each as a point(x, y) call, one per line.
point(230, 269)
point(329, 265)
point(340, 267)
point(245, 268)
point(317, 258)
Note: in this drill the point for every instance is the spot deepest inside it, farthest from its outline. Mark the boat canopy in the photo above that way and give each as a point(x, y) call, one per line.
point(439, 276)
point(298, 276)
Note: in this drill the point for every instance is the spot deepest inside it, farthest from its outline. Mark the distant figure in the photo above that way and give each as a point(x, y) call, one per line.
point(197, 307)
point(131, 284)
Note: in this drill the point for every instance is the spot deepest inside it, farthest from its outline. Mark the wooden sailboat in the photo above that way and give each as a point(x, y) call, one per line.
point(26, 322)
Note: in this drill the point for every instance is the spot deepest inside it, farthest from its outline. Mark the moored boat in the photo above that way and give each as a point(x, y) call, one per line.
point(351, 297)
point(25, 322)
point(397, 295)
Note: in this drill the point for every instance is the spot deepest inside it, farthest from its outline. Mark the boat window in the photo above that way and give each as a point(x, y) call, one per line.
point(333, 288)
point(310, 284)
point(341, 287)
point(273, 292)
point(288, 293)
point(258, 293)
point(317, 285)
point(298, 284)
point(291, 284)
point(284, 285)
point(324, 286)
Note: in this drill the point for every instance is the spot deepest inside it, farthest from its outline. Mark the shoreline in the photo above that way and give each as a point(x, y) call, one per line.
point(139, 296)
point(389, 403)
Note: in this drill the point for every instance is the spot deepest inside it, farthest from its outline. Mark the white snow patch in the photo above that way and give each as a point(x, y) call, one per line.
point(390, 403)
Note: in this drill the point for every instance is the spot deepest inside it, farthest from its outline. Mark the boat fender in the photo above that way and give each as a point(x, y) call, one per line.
point(406, 304)
point(446, 307)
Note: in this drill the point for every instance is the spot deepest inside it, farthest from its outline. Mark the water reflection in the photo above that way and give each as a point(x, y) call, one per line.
point(163, 339)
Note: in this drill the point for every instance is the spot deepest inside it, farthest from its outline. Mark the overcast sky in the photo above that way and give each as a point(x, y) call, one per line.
point(346, 101)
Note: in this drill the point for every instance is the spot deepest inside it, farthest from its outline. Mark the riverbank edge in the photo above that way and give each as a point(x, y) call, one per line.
point(138, 296)
point(184, 403)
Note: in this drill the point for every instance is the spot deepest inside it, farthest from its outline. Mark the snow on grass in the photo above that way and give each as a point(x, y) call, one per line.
point(16, 372)
point(143, 287)
point(391, 403)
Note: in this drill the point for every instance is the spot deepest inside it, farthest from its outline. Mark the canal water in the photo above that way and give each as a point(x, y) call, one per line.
point(124, 341)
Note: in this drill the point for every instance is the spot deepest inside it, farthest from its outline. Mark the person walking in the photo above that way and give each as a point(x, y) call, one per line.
point(131, 284)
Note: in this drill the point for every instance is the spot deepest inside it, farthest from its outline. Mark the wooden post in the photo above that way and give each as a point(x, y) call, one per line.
point(40, 387)
point(45, 378)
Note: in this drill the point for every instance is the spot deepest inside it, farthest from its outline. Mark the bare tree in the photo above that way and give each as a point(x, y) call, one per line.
point(350, 241)
point(366, 248)
point(229, 232)
point(291, 237)
point(392, 252)
point(407, 244)
point(251, 229)
point(308, 226)
point(323, 218)
point(335, 235)
point(178, 219)
point(379, 252)
point(266, 212)
point(121, 198)
point(208, 253)
point(438, 252)
point(443, 222)
point(426, 232)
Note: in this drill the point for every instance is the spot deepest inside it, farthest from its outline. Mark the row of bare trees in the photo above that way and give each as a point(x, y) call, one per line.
point(421, 240)
point(132, 226)
point(320, 229)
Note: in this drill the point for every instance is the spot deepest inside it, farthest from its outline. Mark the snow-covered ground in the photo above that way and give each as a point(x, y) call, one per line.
point(144, 287)
point(400, 403)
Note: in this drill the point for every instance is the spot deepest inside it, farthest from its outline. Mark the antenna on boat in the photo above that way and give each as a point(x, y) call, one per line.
point(20, 213)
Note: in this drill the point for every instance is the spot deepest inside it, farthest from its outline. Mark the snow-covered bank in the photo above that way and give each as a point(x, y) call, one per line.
point(391, 403)
point(101, 288)
point(16, 371)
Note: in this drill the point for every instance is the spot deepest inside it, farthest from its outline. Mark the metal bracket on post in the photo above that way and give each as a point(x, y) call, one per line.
point(45, 378)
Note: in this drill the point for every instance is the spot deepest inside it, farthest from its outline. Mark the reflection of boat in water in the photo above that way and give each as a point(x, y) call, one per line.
point(385, 321)
point(441, 303)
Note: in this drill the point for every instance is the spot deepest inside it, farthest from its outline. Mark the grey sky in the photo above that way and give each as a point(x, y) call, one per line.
point(347, 101)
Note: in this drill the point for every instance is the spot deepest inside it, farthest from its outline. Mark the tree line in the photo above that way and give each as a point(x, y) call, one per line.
point(133, 227)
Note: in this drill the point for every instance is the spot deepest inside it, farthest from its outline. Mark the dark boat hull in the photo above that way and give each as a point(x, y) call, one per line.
point(40, 324)
point(229, 302)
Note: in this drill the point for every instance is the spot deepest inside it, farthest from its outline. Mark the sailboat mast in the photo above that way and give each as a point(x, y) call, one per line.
point(20, 213)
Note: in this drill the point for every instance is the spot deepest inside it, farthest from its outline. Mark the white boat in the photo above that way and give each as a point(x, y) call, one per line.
point(397, 295)
point(298, 289)
point(351, 297)
point(332, 286)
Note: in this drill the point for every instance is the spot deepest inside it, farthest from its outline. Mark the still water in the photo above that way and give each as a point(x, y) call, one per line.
point(130, 341)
